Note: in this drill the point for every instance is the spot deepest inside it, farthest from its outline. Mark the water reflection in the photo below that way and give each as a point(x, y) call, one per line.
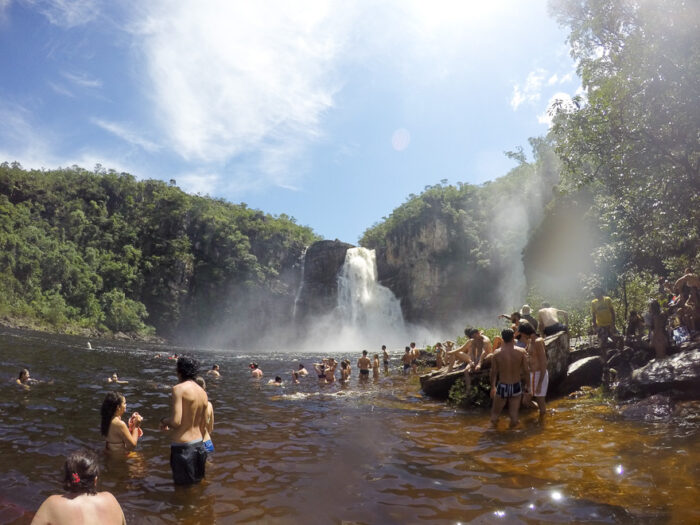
point(375, 452)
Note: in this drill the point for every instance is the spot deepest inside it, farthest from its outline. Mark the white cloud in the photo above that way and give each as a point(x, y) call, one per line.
point(530, 92)
point(82, 80)
point(124, 133)
point(66, 13)
point(198, 183)
point(61, 90)
point(561, 100)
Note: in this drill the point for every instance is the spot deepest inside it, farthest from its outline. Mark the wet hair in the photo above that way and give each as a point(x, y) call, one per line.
point(278, 379)
point(80, 472)
point(343, 365)
point(22, 372)
point(376, 356)
point(525, 328)
point(515, 314)
point(507, 334)
point(109, 408)
point(469, 332)
point(201, 382)
point(301, 366)
point(408, 349)
point(364, 352)
point(187, 367)
point(214, 367)
point(413, 344)
point(383, 347)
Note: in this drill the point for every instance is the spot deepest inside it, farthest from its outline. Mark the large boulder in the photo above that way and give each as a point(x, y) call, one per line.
point(318, 294)
point(584, 372)
point(678, 375)
point(439, 382)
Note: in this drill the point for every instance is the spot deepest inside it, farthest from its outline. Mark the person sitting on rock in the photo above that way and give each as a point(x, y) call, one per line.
point(548, 320)
point(603, 317)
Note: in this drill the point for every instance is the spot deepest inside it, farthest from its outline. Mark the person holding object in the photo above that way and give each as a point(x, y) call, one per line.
point(119, 436)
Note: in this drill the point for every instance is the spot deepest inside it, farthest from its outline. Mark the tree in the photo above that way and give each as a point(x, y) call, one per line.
point(633, 138)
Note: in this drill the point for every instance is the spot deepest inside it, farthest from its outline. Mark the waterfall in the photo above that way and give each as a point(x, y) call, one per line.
point(363, 303)
point(301, 283)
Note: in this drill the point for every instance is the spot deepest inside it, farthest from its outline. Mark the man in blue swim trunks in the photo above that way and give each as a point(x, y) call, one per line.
point(508, 366)
point(188, 423)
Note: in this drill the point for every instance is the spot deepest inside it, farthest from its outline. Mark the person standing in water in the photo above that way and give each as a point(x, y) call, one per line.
point(209, 416)
point(82, 503)
point(385, 356)
point(508, 366)
point(119, 436)
point(375, 366)
point(255, 372)
point(188, 423)
point(537, 361)
point(364, 364)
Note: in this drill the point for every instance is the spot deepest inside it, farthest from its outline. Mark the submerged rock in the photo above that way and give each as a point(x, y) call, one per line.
point(677, 375)
point(584, 372)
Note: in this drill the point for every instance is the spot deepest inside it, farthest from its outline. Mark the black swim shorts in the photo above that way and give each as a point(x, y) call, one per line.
point(187, 461)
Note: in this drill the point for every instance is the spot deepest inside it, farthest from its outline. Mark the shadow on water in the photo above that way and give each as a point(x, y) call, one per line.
point(366, 452)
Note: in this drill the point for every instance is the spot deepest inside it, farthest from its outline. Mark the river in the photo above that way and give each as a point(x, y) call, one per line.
point(377, 452)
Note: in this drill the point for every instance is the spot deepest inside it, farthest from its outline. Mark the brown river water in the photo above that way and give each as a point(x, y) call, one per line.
point(377, 452)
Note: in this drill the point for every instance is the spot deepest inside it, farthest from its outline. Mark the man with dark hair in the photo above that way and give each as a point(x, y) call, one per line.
point(538, 380)
point(508, 366)
point(188, 421)
point(364, 364)
point(548, 320)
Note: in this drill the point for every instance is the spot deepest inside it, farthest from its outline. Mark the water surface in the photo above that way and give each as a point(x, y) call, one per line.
point(374, 452)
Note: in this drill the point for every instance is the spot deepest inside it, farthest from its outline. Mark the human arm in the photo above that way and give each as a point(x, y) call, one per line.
point(542, 361)
point(175, 419)
point(210, 418)
point(493, 376)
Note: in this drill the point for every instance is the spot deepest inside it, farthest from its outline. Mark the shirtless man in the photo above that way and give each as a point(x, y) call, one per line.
point(385, 356)
point(214, 372)
point(537, 361)
point(303, 372)
point(82, 503)
point(255, 371)
point(548, 320)
point(188, 423)
point(364, 364)
point(508, 366)
point(375, 366)
point(209, 417)
point(415, 353)
point(407, 359)
point(688, 278)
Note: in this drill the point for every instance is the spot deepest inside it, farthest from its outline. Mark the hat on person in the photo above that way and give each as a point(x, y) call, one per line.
point(525, 310)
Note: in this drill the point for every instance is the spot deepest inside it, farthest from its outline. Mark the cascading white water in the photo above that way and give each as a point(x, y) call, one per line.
point(302, 259)
point(363, 303)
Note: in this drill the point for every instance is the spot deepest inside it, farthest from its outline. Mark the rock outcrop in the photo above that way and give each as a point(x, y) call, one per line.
point(319, 290)
point(677, 375)
point(584, 372)
point(438, 383)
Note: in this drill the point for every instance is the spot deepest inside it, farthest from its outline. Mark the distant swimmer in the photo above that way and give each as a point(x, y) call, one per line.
point(364, 364)
point(119, 436)
point(508, 367)
point(255, 371)
point(188, 423)
point(209, 416)
point(82, 504)
point(295, 377)
point(214, 372)
point(344, 371)
point(303, 372)
point(548, 320)
point(89, 346)
point(115, 379)
point(375, 366)
point(277, 381)
point(23, 378)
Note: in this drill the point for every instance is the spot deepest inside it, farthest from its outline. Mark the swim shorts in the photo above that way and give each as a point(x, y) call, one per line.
point(534, 378)
point(187, 461)
point(549, 330)
point(406, 367)
point(505, 390)
point(209, 446)
point(364, 372)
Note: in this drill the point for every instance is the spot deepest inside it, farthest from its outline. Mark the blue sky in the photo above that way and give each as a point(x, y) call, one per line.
point(331, 112)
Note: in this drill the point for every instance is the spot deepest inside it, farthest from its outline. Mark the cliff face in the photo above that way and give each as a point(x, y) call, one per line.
point(319, 291)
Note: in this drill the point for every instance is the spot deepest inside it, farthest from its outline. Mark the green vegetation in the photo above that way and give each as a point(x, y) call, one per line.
point(100, 251)
point(478, 395)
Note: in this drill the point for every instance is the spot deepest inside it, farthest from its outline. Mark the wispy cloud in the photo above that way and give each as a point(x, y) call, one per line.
point(530, 91)
point(126, 134)
point(61, 90)
point(66, 13)
point(82, 80)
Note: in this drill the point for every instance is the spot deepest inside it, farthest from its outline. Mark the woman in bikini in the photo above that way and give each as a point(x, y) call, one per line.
point(117, 434)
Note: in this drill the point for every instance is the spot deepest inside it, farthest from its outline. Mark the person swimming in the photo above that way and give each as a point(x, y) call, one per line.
point(119, 436)
point(115, 379)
